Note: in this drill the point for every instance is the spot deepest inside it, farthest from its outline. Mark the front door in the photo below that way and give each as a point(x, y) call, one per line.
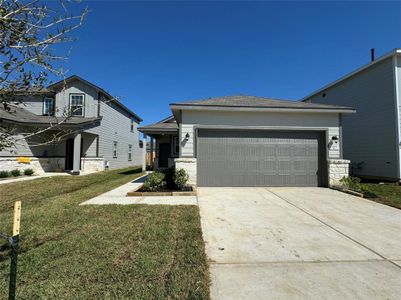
point(69, 154)
point(164, 154)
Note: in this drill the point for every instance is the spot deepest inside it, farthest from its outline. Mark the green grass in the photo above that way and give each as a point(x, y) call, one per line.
point(388, 194)
point(101, 252)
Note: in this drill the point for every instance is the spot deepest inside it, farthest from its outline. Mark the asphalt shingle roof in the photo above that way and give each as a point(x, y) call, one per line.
point(162, 126)
point(20, 115)
point(256, 102)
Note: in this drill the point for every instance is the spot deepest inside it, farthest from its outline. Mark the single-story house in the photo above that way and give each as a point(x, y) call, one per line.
point(252, 141)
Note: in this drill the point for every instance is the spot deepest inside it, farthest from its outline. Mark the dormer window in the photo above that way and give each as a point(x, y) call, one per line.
point(77, 104)
point(48, 106)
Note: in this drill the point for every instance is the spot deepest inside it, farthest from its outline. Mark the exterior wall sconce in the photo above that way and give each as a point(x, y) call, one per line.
point(333, 144)
point(187, 136)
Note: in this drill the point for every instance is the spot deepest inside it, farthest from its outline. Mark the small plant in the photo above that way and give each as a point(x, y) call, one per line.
point(16, 173)
point(155, 181)
point(4, 174)
point(28, 172)
point(352, 183)
point(181, 178)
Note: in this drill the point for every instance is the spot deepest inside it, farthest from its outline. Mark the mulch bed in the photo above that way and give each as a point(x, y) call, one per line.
point(188, 191)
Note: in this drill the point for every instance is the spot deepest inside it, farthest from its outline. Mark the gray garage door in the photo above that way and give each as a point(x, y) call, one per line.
point(260, 158)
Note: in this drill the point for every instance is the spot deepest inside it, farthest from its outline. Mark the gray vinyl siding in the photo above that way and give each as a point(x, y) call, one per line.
point(21, 147)
point(115, 126)
point(77, 87)
point(369, 135)
point(398, 89)
point(34, 104)
point(256, 120)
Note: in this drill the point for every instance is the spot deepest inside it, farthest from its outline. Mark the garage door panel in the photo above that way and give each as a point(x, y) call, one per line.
point(257, 158)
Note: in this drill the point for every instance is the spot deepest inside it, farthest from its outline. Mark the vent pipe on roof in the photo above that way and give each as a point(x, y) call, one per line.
point(372, 54)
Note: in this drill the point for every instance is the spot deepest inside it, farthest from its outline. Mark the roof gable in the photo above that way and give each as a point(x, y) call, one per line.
point(98, 89)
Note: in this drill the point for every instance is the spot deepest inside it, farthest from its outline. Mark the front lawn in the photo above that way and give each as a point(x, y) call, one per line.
point(100, 252)
point(389, 194)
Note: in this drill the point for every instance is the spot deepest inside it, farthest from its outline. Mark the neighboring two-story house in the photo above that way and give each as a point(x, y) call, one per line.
point(98, 129)
point(371, 138)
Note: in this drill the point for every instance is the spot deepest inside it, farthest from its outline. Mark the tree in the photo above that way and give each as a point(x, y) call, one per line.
point(30, 32)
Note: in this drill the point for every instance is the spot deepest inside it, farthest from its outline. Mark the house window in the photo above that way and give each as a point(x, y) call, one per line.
point(115, 153)
point(132, 125)
point(48, 106)
point(176, 145)
point(129, 152)
point(77, 102)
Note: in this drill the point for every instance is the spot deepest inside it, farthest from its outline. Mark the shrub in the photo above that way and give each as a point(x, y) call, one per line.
point(181, 178)
point(155, 181)
point(169, 173)
point(28, 172)
point(4, 174)
point(16, 173)
point(352, 183)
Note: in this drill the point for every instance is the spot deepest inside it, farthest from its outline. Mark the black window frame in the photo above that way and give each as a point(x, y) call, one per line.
point(132, 125)
point(175, 141)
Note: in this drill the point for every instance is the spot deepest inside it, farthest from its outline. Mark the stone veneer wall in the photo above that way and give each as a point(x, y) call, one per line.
point(337, 169)
point(189, 165)
point(39, 165)
point(92, 164)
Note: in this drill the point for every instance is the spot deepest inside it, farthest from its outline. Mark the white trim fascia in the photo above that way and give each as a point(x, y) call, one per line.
point(285, 128)
point(397, 114)
point(390, 54)
point(264, 109)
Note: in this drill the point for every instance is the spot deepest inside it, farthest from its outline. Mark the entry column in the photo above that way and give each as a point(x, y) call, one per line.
point(76, 166)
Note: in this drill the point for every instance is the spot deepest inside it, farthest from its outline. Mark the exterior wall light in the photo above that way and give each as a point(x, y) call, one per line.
point(187, 136)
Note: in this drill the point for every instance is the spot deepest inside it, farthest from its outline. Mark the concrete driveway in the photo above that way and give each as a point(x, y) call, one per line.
point(300, 243)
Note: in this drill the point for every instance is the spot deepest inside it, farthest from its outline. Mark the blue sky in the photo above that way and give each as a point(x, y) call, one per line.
point(155, 53)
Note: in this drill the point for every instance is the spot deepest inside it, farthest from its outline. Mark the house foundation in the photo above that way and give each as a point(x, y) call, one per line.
point(337, 169)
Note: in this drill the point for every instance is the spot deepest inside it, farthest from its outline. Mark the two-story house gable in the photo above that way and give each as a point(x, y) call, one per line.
point(84, 128)
point(372, 136)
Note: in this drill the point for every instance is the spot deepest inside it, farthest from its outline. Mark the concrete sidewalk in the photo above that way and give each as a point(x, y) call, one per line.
point(118, 196)
point(299, 243)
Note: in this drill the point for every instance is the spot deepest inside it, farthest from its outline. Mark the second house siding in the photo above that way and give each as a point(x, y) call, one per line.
point(370, 134)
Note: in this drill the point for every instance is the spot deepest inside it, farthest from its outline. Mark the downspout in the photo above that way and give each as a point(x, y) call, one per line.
point(397, 114)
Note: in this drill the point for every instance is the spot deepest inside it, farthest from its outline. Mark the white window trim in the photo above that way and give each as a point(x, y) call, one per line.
point(129, 152)
point(115, 149)
point(44, 106)
point(83, 104)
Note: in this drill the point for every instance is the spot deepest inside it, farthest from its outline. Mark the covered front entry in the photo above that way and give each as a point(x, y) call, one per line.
point(261, 158)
